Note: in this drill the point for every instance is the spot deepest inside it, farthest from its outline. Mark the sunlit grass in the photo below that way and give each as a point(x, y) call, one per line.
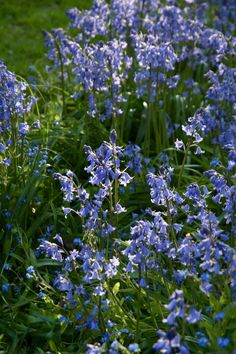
point(21, 26)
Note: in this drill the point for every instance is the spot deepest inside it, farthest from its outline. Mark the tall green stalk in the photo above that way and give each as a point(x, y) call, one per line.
point(183, 163)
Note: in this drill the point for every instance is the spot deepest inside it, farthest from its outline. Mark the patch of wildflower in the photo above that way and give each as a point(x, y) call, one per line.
point(178, 310)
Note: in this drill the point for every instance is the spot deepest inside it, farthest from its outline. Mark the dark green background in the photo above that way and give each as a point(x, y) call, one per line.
point(21, 25)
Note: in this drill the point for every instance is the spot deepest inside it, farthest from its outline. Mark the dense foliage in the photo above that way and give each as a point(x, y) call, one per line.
point(118, 193)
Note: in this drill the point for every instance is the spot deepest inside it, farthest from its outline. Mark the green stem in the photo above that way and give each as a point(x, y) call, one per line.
point(169, 220)
point(116, 187)
point(14, 143)
point(183, 164)
point(148, 130)
point(138, 305)
point(149, 303)
point(62, 76)
point(124, 312)
point(100, 317)
point(111, 211)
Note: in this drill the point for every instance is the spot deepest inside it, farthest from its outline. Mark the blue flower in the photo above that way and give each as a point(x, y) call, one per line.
point(41, 295)
point(202, 340)
point(30, 271)
point(223, 342)
point(169, 341)
point(23, 128)
point(134, 348)
point(67, 187)
point(63, 283)
point(51, 250)
point(219, 316)
point(113, 137)
point(179, 144)
point(115, 344)
point(176, 307)
point(2, 148)
point(136, 160)
point(62, 319)
point(194, 316)
point(5, 287)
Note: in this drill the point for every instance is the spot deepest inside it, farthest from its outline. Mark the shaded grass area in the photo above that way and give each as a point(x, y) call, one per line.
point(21, 29)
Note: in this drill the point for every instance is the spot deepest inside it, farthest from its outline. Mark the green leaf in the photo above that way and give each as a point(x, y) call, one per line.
point(47, 262)
point(53, 346)
point(116, 288)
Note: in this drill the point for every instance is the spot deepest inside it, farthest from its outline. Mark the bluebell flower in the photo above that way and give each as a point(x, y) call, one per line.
point(92, 22)
point(135, 163)
point(160, 191)
point(202, 340)
point(180, 276)
point(5, 287)
point(193, 316)
point(115, 344)
point(104, 165)
point(215, 162)
point(98, 291)
point(179, 144)
point(134, 348)
point(113, 351)
point(59, 48)
point(124, 17)
point(23, 128)
point(63, 319)
point(6, 266)
point(2, 148)
point(223, 342)
point(51, 250)
point(193, 192)
point(113, 137)
point(101, 69)
point(206, 287)
point(199, 151)
point(118, 209)
point(151, 54)
point(67, 187)
point(176, 307)
point(36, 124)
point(219, 316)
point(142, 283)
point(59, 239)
point(41, 295)
point(169, 341)
point(111, 268)
point(223, 88)
point(63, 283)
point(6, 161)
point(30, 272)
point(14, 98)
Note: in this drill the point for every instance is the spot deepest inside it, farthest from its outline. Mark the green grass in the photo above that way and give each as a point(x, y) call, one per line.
point(21, 26)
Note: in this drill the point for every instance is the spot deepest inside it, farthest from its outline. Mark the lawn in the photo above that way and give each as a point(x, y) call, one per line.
point(22, 23)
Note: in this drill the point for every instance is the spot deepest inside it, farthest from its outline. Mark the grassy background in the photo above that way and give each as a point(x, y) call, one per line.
point(21, 26)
